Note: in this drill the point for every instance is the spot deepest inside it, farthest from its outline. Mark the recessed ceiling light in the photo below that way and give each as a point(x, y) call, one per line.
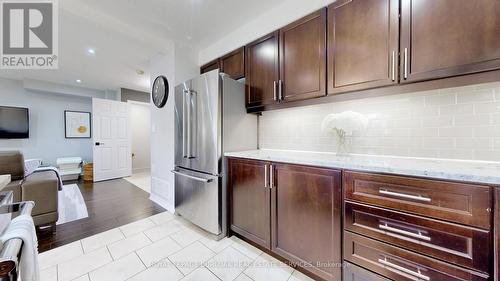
point(189, 37)
point(91, 51)
point(139, 72)
point(78, 81)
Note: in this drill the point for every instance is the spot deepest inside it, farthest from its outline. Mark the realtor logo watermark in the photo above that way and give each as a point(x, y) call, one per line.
point(29, 34)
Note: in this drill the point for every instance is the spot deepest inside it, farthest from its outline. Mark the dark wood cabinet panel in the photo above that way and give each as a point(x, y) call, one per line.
point(463, 246)
point(249, 200)
point(306, 217)
point(496, 247)
point(210, 66)
point(233, 64)
point(303, 58)
point(399, 264)
point(442, 38)
point(355, 273)
point(363, 39)
point(455, 202)
point(262, 70)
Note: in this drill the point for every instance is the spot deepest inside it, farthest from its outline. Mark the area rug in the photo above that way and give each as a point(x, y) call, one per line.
point(71, 204)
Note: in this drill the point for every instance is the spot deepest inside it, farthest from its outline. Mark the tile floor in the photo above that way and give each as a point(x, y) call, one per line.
point(162, 247)
point(141, 180)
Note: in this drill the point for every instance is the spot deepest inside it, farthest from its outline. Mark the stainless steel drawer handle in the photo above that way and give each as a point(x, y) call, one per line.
point(403, 195)
point(271, 176)
point(405, 270)
point(192, 177)
point(404, 232)
point(266, 180)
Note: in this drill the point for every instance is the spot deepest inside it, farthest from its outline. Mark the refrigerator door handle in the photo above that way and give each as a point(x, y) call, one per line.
point(184, 130)
point(192, 177)
point(188, 120)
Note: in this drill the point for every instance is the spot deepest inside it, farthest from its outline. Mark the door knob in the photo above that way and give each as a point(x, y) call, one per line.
point(99, 143)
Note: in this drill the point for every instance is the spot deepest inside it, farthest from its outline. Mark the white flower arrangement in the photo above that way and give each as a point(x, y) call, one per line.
point(344, 124)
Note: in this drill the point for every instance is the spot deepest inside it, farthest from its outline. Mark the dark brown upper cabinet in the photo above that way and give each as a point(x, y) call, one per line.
point(210, 66)
point(363, 39)
point(249, 197)
point(306, 206)
point(233, 64)
point(262, 71)
point(443, 38)
point(303, 58)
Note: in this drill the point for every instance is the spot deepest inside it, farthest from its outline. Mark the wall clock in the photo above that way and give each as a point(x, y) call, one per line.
point(159, 94)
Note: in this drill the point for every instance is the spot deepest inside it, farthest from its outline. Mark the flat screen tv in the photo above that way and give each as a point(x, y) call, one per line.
point(14, 122)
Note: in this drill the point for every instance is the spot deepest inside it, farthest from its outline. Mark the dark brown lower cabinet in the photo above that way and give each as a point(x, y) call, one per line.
point(355, 273)
point(249, 200)
point(497, 235)
point(306, 213)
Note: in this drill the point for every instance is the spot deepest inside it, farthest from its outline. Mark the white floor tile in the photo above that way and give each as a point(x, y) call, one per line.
point(216, 246)
point(118, 270)
point(49, 274)
point(162, 218)
point(60, 254)
point(83, 264)
point(228, 264)
point(247, 249)
point(267, 268)
point(299, 276)
point(128, 245)
point(102, 239)
point(136, 227)
point(243, 277)
point(186, 237)
point(162, 271)
point(191, 257)
point(82, 278)
point(201, 274)
point(158, 251)
point(161, 231)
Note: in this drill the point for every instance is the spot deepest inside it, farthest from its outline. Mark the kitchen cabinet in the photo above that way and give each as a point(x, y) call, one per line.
point(262, 71)
point(497, 235)
point(210, 66)
point(363, 39)
point(233, 64)
point(443, 38)
point(306, 217)
point(249, 200)
point(302, 55)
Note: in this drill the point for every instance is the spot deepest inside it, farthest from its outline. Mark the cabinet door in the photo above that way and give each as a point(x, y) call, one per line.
point(443, 38)
point(363, 39)
point(233, 64)
point(249, 197)
point(262, 70)
point(303, 58)
point(497, 235)
point(210, 66)
point(306, 214)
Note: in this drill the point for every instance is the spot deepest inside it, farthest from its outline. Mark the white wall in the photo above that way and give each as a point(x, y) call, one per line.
point(273, 19)
point(455, 123)
point(140, 116)
point(46, 139)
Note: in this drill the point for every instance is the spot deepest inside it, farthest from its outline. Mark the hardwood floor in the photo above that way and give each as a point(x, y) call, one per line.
point(110, 204)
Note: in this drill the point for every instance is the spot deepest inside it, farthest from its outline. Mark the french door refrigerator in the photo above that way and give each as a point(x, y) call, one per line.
point(210, 119)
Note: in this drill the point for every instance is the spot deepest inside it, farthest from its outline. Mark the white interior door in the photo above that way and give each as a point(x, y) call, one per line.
point(112, 136)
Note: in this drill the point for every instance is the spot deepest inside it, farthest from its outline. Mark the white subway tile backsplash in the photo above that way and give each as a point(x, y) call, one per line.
point(458, 123)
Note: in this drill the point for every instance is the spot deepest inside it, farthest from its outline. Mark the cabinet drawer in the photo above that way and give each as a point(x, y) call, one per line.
point(355, 273)
point(453, 243)
point(398, 264)
point(456, 202)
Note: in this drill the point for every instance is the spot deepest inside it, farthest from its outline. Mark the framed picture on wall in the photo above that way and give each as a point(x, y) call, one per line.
point(77, 125)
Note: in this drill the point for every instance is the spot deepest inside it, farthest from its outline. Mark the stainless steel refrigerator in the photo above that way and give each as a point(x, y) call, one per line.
point(210, 119)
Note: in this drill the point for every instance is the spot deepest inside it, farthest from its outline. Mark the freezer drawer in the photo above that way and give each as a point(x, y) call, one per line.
point(198, 199)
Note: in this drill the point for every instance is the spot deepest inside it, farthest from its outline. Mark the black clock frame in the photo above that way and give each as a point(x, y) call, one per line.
point(165, 97)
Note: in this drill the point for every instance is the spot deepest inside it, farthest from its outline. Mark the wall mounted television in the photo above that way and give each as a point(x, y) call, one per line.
point(14, 122)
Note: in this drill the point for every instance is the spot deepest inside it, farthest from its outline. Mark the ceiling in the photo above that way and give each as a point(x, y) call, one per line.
point(126, 34)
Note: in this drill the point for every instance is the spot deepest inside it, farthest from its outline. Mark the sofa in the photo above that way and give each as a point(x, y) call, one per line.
point(40, 187)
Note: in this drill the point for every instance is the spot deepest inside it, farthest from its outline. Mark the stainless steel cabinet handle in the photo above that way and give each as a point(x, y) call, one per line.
point(393, 65)
point(403, 195)
point(404, 232)
point(192, 177)
point(405, 270)
point(271, 177)
point(280, 90)
point(406, 63)
point(265, 176)
point(275, 95)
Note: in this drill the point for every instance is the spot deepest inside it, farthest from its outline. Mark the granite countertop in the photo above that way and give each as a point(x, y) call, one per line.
point(457, 170)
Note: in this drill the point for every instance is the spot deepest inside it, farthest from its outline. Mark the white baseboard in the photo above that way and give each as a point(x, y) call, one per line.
point(162, 202)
